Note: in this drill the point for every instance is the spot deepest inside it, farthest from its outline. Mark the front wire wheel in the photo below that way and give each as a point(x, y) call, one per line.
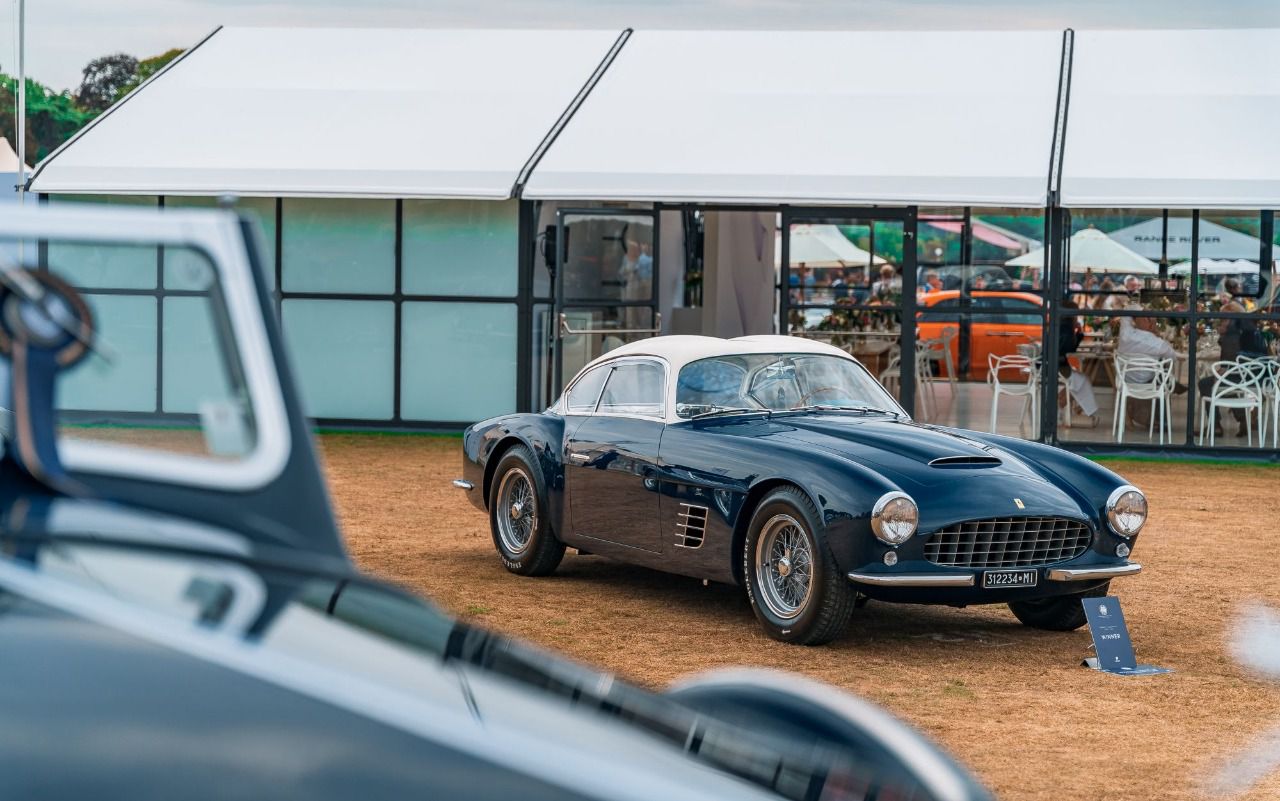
point(521, 532)
point(784, 566)
point(793, 583)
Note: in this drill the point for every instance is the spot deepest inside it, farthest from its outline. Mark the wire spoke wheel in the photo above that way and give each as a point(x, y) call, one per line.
point(784, 566)
point(517, 510)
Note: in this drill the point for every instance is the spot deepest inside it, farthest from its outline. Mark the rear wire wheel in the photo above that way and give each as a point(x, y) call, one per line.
point(793, 583)
point(517, 517)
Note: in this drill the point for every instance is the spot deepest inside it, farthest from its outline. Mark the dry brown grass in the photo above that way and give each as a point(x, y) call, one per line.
point(1010, 702)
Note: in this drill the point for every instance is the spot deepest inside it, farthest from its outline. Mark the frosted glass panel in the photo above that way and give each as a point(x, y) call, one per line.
point(345, 246)
point(193, 364)
point(127, 333)
point(460, 247)
point(343, 352)
point(116, 267)
point(260, 209)
point(458, 361)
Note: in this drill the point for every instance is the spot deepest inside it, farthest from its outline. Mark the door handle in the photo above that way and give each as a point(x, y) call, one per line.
point(580, 457)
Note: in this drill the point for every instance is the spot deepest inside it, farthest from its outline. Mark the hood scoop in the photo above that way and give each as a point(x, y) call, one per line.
point(965, 461)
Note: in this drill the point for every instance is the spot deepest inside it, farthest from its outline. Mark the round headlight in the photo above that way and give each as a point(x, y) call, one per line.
point(1127, 510)
point(894, 518)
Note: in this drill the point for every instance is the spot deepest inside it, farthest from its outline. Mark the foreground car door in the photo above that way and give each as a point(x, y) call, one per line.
point(611, 459)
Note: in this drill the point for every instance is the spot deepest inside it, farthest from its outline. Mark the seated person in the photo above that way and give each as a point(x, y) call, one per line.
point(1236, 337)
point(1138, 337)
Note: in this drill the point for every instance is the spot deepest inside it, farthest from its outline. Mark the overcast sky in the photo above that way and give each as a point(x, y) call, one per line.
point(63, 35)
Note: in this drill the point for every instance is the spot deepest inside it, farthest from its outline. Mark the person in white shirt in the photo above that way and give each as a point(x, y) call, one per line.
point(1138, 338)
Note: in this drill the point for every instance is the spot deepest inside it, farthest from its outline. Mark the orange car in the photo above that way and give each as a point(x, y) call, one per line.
point(997, 322)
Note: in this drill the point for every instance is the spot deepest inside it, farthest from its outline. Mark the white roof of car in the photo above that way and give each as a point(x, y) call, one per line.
point(679, 350)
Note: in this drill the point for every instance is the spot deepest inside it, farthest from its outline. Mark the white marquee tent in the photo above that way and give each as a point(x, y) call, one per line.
point(1216, 241)
point(814, 117)
point(1173, 119)
point(355, 112)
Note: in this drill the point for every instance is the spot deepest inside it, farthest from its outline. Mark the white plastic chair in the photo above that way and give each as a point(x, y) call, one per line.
point(1159, 390)
point(891, 379)
point(1027, 388)
point(1237, 385)
point(1270, 404)
point(939, 350)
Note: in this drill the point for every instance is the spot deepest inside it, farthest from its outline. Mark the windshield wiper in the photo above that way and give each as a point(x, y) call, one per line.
point(719, 410)
point(825, 407)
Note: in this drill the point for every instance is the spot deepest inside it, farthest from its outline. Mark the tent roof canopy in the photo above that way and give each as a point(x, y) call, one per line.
point(353, 112)
point(893, 117)
point(1157, 119)
point(1173, 119)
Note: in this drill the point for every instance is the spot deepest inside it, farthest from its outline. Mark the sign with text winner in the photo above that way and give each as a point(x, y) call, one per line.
point(1111, 639)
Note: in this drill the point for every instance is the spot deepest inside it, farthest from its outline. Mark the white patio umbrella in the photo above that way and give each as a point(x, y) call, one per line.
point(9, 159)
point(822, 246)
point(1216, 267)
point(1091, 249)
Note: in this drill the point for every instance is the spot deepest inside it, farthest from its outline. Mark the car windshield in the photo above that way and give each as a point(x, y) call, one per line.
point(777, 382)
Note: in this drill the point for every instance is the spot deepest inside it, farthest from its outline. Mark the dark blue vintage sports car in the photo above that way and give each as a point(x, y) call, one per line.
point(780, 464)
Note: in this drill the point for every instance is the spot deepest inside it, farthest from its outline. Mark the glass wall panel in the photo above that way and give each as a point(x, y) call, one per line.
point(1121, 258)
point(460, 247)
point(126, 328)
point(116, 267)
point(260, 209)
point(458, 361)
point(338, 246)
point(1133, 395)
point(1237, 381)
point(192, 363)
point(343, 354)
point(844, 287)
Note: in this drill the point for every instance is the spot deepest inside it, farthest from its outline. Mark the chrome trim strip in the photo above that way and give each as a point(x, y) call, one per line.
point(463, 484)
point(914, 579)
point(1091, 573)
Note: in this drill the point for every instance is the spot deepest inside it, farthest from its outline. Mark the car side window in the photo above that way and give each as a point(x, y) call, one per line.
point(634, 388)
point(1021, 312)
point(586, 391)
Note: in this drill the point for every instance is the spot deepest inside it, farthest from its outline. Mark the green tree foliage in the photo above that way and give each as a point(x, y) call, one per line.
point(103, 79)
point(146, 68)
point(54, 117)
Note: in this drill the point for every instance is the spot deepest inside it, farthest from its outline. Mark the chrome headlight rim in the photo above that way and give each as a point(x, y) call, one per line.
point(1113, 499)
point(877, 517)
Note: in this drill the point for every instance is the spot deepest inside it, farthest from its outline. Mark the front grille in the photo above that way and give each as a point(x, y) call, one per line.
point(1008, 542)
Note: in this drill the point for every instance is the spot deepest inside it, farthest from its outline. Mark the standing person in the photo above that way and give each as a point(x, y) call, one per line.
point(857, 281)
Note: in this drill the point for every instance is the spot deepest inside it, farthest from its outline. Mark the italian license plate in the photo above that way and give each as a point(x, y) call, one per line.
point(1000, 579)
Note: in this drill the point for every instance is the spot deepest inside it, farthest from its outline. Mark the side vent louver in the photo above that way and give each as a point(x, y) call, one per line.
point(965, 461)
point(692, 526)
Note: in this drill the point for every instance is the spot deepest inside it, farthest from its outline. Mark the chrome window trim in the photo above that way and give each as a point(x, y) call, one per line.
point(660, 416)
point(218, 235)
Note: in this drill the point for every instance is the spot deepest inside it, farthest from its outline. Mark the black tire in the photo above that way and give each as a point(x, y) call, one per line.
point(1060, 613)
point(526, 545)
point(822, 614)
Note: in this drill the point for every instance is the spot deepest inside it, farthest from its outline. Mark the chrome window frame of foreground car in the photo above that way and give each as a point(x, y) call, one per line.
point(217, 236)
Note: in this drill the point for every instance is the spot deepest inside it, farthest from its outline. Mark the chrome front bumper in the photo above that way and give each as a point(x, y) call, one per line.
point(970, 579)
